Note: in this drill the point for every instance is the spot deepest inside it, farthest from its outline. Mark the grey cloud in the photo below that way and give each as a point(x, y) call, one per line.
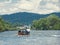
point(15, 1)
point(42, 3)
point(2, 0)
point(38, 6)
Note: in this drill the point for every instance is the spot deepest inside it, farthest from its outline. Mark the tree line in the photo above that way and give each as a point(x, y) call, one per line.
point(5, 26)
point(51, 22)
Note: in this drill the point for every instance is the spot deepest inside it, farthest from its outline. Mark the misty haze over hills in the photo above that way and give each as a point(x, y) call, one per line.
point(24, 17)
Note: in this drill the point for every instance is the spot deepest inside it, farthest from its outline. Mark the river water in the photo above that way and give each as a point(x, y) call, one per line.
point(35, 38)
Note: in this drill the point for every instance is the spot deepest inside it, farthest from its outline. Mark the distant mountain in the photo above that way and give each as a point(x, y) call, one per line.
point(56, 13)
point(24, 17)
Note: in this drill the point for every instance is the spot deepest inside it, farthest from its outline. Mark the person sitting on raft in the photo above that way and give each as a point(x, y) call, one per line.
point(27, 31)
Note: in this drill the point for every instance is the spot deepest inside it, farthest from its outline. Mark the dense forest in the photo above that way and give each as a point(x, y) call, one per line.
point(25, 17)
point(51, 22)
point(5, 26)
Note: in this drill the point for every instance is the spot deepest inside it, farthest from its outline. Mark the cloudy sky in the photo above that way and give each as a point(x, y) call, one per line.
point(34, 6)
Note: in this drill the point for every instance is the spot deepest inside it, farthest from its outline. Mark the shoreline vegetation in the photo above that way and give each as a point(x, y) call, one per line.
point(5, 26)
point(51, 22)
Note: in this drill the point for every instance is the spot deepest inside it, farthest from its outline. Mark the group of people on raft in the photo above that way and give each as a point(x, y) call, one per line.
point(24, 32)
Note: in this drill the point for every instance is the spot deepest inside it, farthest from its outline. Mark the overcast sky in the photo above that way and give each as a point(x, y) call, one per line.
point(34, 6)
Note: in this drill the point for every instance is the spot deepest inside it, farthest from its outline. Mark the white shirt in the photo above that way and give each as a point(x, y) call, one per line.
point(28, 30)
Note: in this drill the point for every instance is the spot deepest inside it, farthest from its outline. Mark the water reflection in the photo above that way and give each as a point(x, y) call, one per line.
point(35, 38)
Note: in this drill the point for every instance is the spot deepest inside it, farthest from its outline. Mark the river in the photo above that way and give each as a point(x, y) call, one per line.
point(51, 37)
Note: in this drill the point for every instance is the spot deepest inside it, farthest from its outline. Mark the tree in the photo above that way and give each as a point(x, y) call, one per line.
point(51, 22)
point(4, 25)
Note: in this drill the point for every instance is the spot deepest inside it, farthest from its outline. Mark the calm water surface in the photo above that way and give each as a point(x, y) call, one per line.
point(35, 38)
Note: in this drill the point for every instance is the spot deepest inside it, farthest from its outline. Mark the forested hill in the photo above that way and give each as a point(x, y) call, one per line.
point(24, 17)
